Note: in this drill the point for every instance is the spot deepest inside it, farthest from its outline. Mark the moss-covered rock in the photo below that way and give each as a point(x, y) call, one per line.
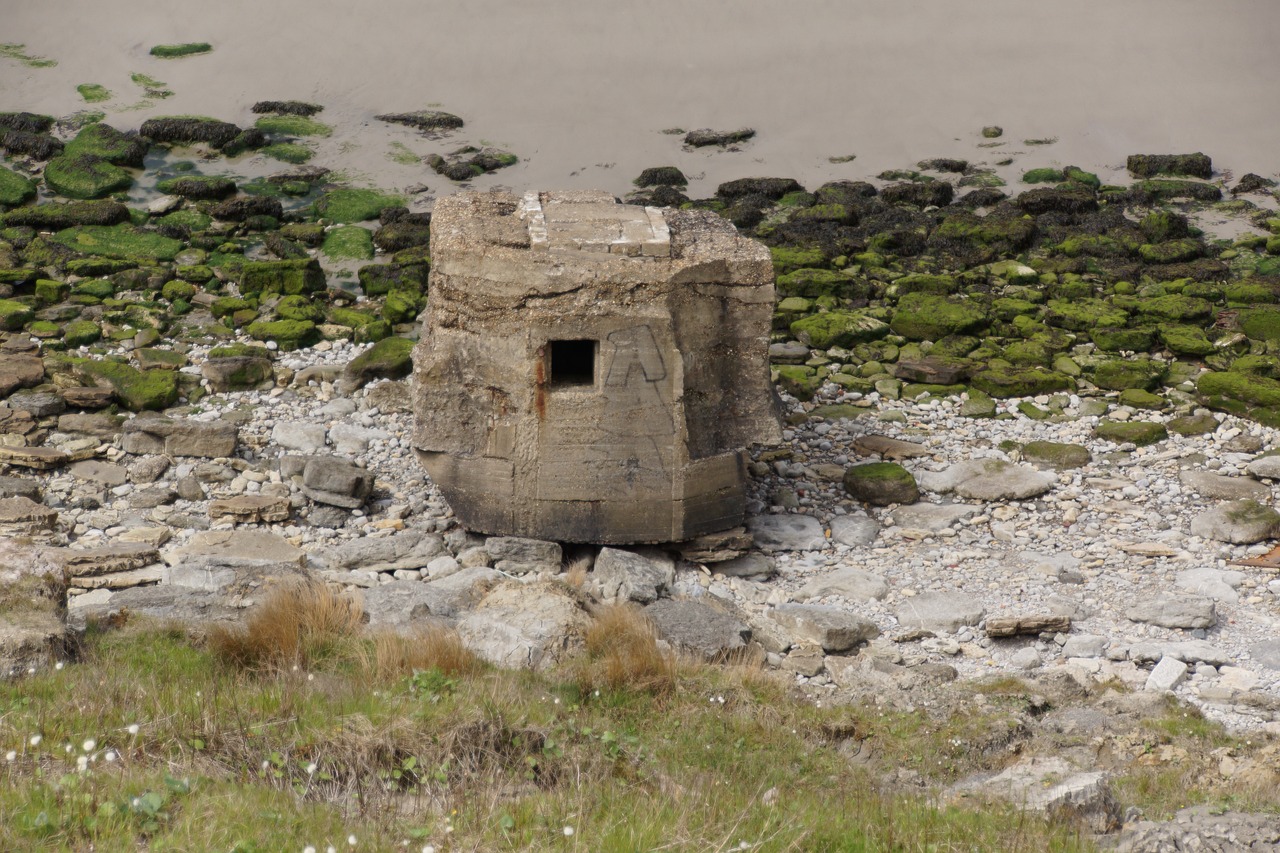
point(120, 241)
point(787, 259)
point(289, 335)
point(14, 315)
point(288, 277)
point(354, 205)
point(1186, 340)
point(813, 283)
point(1111, 339)
point(1117, 374)
point(1175, 308)
point(1004, 382)
point(387, 359)
point(299, 307)
point(15, 189)
point(1081, 315)
point(798, 380)
point(80, 333)
point(1196, 165)
point(292, 125)
point(349, 243)
point(1139, 433)
point(137, 390)
point(105, 142)
point(226, 306)
point(50, 292)
point(85, 176)
point(1043, 175)
point(838, 328)
point(881, 484)
point(1161, 225)
point(380, 279)
point(175, 290)
point(1240, 294)
point(1260, 324)
point(1171, 252)
point(401, 306)
point(928, 317)
point(1056, 455)
point(397, 236)
point(1000, 234)
point(151, 358)
point(177, 51)
point(185, 130)
point(1189, 425)
point(55, 217)
point(1168, 189)
point(198, 187)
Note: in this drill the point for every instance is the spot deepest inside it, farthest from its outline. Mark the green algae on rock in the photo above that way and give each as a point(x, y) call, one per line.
point(881, 484)
point(119, 241)
point(292, 125)
point(1139, 433)
point(15, 189)
point(354, 205)
point(137, 390)
point(348, 243)
point(85, 176)
point(176, 51)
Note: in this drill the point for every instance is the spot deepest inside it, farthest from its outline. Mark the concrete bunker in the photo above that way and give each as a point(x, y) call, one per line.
point(591, 371)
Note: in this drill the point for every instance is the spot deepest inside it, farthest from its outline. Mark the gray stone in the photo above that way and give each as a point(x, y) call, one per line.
point(518, 555)
point(933, 518)
point(620, 576)
point(996, 480)
point(249, 509)
point(1238, 522)
point(756, 566)
point(525, 626)
point(294, 435)
point(833, 629)
point(41, 404)
point(404, 605)
point(792, 532)
point(189, 489)
point(19, 487)
point(337, 482)
point(1167, 674)
point(1027, 658)
point(699, 629)
point(1266, 653)
point(1220, 487)
point(611, 369)
point(411, 548)
point(1187, 651)
point(148, 469)
point(349, 438)
point(237, 373)
point(940, 611)
point(96, 425)
point(97, 471)
point(788, 352)
point(1051, 786)
point(1213, 583)
point(1266, 468)
point(33, 589)
point(237, 548)
point(1170, 611)
point(1201, 828)
point(23, 515)
point(1085, 646)
point(846, 582)
point(106, 559)
point(888, 448)
point(150, 434)
point(152, 497)
point(857, 531)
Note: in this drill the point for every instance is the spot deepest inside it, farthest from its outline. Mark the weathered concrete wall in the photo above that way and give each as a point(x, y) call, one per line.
point(591, 371)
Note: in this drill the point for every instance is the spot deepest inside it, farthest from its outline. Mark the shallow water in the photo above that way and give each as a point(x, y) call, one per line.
point(581, 91)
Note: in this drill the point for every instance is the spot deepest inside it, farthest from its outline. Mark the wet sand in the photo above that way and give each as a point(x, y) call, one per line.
point(581, 90)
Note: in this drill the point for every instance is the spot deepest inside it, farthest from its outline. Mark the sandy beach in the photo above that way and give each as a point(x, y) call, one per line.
point(582, 95)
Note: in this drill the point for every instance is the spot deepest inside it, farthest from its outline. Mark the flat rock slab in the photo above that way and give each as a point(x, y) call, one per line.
point(411, 548)
point(1014, 626)
point(1056, 455)
point(249, 509)
point(933, 518)
point(123, 580)
point(756, 566)
point(1266, 653)
point(180, 437)
point(1166, 675)
point(856, 531)
point(337, 482)
point(698, 629)
point(295, 435)
point(846, 582)
point(12, 487)
point(1187, 651)
point(833, 629)
point(717, 547)
point(238, 547)
point(940, 612)
point(518, 555)
point(525, 626)
point(1206, 828)
point(888, 448)
point(1052, 786)
point(1213, 583)
point(1267, 468)
point(991, 480)
point(1239, 522)
point(19, 514)
point(787, 532)
point(1225, 488)
point(1170, 611)
point(404, 605)
point(105, 559)
point(19, 370)
point(36, 458)
point(97, 471)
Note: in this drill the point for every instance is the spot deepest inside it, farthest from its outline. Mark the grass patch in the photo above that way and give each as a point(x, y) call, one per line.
point(19, 52)
point(287, 152)
point(292, 125)
point(354, 205)
point(174, 51)
point(348, 242)
point(94, 92)
point(186, 744)
point(401, 154)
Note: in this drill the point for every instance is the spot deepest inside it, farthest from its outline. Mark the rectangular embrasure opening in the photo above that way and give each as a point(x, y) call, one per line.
point(573, 363)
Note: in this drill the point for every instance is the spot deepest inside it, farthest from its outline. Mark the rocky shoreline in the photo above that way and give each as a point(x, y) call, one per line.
point(1029, 433)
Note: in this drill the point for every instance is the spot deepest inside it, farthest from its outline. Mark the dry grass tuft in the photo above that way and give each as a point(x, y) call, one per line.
point(294, 625)
point(575, 574)
point(623, 653)
point(434, 648)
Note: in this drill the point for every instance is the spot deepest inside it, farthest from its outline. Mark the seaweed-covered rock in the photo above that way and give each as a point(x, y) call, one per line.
point(38, 146)
point(401, 235)
point(119, 241)
point(387, 359)
point(1071, 199)
point(1252, 183)
point(770, 188)
point(816, 283)
point(927, 317)
point(114, 146)
point(1140, 433)
point(14, 315)
point(1056, 455)
point(1171, 252)
point(1186, 340)
point(1081, 315)
point(289, 108)
point(26, 122)
point(198, 187)
point(1160, 225)
point(137, 390)
point(881, 484)
point(966, 232)
point(288, 277)
point(470, 162)
point(189, 129)
point(1149, 165)
point(1116, 374)
point(354, 205)
point(1169, 189)
point(661, 176)
point(1005, 382)
point(919, 194)
point(1175, 307)
point(381, 279)
point(240, 209)
point(85, 176)
point(430, 121)
point(288, 334)
point(706, 136)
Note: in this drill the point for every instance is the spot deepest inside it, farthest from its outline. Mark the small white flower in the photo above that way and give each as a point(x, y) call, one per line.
point(11, 755)
point(568, 831)
point(133, 729)
point(59, 665)
point(31, 670)
point(266, 764)
point(331, 849)
point(35, 740)
point(82, 763)
point(68, 748)
point(308, 849)
point(311, 676)
point(89, 745)
point(428, 849)
point(111, 755)
point(311, 768)
point(351, 841)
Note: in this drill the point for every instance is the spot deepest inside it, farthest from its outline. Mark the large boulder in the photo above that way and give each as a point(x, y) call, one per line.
point(525, 626)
